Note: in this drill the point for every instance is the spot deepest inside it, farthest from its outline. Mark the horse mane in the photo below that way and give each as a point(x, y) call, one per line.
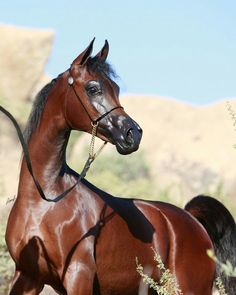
point(94, 64)
point(37, 109)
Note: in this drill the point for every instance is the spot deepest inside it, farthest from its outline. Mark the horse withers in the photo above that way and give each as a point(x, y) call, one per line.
point(87, 241)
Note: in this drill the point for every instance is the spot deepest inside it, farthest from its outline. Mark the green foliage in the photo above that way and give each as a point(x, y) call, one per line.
point(6, 264)
point(74, 136)
point(128, 168)
point(220, 286)
point(167, 284)
point(226, 267)
point(126, 176)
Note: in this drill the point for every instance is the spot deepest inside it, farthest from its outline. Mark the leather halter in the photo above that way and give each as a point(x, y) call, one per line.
point(89, 161)
point(96, 121)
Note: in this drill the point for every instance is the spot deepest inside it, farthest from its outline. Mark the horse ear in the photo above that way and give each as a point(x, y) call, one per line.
point(83, 57)
point(103, 53)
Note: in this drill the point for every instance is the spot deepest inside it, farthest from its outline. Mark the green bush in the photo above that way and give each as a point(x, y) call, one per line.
point(124, 176)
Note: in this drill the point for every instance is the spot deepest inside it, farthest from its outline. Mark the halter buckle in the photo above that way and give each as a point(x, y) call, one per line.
point(70, 80)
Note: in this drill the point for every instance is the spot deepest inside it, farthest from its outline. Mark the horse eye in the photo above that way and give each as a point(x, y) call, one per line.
point(93, 90)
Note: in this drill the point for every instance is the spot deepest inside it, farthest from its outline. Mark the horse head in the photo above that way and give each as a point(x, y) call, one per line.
point(94, 96)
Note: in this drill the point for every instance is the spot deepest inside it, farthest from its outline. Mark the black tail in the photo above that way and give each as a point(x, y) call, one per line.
point(221, 228)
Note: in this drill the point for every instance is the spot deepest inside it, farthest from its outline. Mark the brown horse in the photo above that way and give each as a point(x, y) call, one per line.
point(87, 242)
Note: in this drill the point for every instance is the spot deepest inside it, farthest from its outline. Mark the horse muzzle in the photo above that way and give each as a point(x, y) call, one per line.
point(129, 140)
point(123, 132)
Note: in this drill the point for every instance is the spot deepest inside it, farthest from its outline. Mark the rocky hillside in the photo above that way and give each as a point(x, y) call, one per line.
point(189, 148)
point(22, 72)
point(25, 53)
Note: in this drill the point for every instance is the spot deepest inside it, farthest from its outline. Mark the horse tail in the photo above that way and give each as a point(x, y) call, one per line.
point(221, 228)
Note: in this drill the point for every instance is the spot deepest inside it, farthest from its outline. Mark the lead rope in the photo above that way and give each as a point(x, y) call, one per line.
point(93, 155)
point(92, 143)
point(91, 158)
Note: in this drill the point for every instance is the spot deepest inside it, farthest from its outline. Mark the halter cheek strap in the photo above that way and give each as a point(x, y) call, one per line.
point(93, 121)
point(92, 154)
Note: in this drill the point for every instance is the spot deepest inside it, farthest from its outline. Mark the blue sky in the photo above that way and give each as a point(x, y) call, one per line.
point(181, 49)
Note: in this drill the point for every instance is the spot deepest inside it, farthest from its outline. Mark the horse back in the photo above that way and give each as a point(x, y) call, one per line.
point(143, 226)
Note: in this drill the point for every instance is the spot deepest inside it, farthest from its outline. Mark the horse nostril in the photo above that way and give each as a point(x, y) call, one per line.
point(129, 136)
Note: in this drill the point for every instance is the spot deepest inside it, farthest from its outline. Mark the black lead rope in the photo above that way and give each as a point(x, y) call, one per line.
point(30, 168)
point(89, 161)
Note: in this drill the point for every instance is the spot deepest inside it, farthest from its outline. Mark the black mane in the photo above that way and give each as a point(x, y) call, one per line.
point(37, 109)
point(94, 64)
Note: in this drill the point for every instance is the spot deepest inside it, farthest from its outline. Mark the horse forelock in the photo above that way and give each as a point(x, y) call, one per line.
point(95, 64)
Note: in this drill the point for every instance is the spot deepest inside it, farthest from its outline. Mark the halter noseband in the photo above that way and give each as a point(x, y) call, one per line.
point(96, 121)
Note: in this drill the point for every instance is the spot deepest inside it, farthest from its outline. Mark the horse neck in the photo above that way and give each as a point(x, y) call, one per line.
point(47, 145)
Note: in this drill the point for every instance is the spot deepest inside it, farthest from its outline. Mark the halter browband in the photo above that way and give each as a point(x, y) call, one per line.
point(94, 122)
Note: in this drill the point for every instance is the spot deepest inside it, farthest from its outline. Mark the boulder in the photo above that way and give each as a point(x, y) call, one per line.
point(25, 53)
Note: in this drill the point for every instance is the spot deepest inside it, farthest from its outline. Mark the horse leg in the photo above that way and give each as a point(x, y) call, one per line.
point(197, 278)
point(79, 280)
point(24, 285)
point(80, 273)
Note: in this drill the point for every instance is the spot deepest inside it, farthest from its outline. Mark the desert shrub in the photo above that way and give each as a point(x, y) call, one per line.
point(226, 267)
point(167, 284)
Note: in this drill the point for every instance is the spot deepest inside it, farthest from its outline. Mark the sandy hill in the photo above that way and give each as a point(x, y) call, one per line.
point(188, 148)
point(22, 74)
point(25, 53)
